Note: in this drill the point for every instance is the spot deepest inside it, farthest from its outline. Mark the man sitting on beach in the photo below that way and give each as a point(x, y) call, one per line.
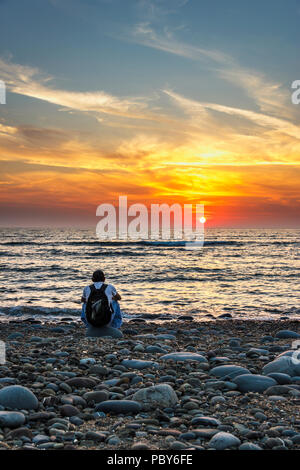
point(112, 295)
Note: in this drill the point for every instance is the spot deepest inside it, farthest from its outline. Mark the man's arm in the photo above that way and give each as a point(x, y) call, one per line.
point(116, 296)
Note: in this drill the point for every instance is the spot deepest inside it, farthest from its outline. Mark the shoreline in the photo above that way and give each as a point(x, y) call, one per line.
point(77, 383)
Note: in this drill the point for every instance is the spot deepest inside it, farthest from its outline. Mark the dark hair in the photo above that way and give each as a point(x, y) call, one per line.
point(98, 276)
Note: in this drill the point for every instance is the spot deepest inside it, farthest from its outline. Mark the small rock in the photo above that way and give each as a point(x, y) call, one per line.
point(157, 396)
point(249, 446)
point(224, 440)
point(137, 364)
point(69, 410)
point(230, 371)
point(11, 419)
point(119, 406)
point(253, 383)
point(183, 356)
point(287, 334)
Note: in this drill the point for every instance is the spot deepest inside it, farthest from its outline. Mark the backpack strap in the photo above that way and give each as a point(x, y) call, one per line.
point(103, 287)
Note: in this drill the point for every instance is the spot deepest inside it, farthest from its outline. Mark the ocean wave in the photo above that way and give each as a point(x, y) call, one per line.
point(24, 311)
point(165, 243)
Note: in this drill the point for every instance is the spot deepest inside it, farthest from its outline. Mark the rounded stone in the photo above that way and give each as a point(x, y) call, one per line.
point(283, 364)
point(119, 406)
point(105, 331)
point(156, 396)
point(229, 371)
point(11, 419)
point(249, 446)
point(183, 356)
point(281, 379)
point(154, 349)
point(87, 361)
point(205, 421)
point(287, 334)
point(253, 383)
point(81, 382)
point(137, 364)
point(18, 397)
point(95, 397)
point(69, 410)
point(224, 440)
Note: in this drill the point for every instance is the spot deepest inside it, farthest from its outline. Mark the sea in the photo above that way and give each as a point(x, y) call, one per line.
point(238, 273)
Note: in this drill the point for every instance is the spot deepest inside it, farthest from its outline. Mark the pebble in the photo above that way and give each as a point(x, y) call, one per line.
point(183, 356)
point(11, 419)
point(253, 382)
point(230, 371)
point(283, 364)
point(281, 379)
point(18, 397)
point(119, 406)
point(287, 334)
point(73, 379)
point(137, 364)
point(249, 446)
point(205, 421)
point(95, 397)
point(224, 440)
point(140, 446)
point(157, 396)
point(69, 410)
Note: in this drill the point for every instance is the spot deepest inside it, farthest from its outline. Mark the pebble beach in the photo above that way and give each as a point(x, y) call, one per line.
point(226, 384)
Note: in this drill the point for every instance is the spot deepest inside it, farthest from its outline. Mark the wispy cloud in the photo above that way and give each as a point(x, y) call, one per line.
point(29, 81)
point(269, 96)
point(197, 108)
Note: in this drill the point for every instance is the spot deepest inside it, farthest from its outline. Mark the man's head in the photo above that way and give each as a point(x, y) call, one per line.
point(98, 276)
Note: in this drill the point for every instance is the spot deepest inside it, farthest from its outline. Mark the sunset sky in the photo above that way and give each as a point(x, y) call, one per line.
point(183, 101)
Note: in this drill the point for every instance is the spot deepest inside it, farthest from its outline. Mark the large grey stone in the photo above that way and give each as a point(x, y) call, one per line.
point(119, 406)
point(231, 371)
point(20, 398)
point(11, 419)
point(285, 365)
point(183, 356)
point(224, 440)
point(287, 334)
point(281, 379)
point(253, 382)
point(157, 396)
point(105, 331)
point(137, 364)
